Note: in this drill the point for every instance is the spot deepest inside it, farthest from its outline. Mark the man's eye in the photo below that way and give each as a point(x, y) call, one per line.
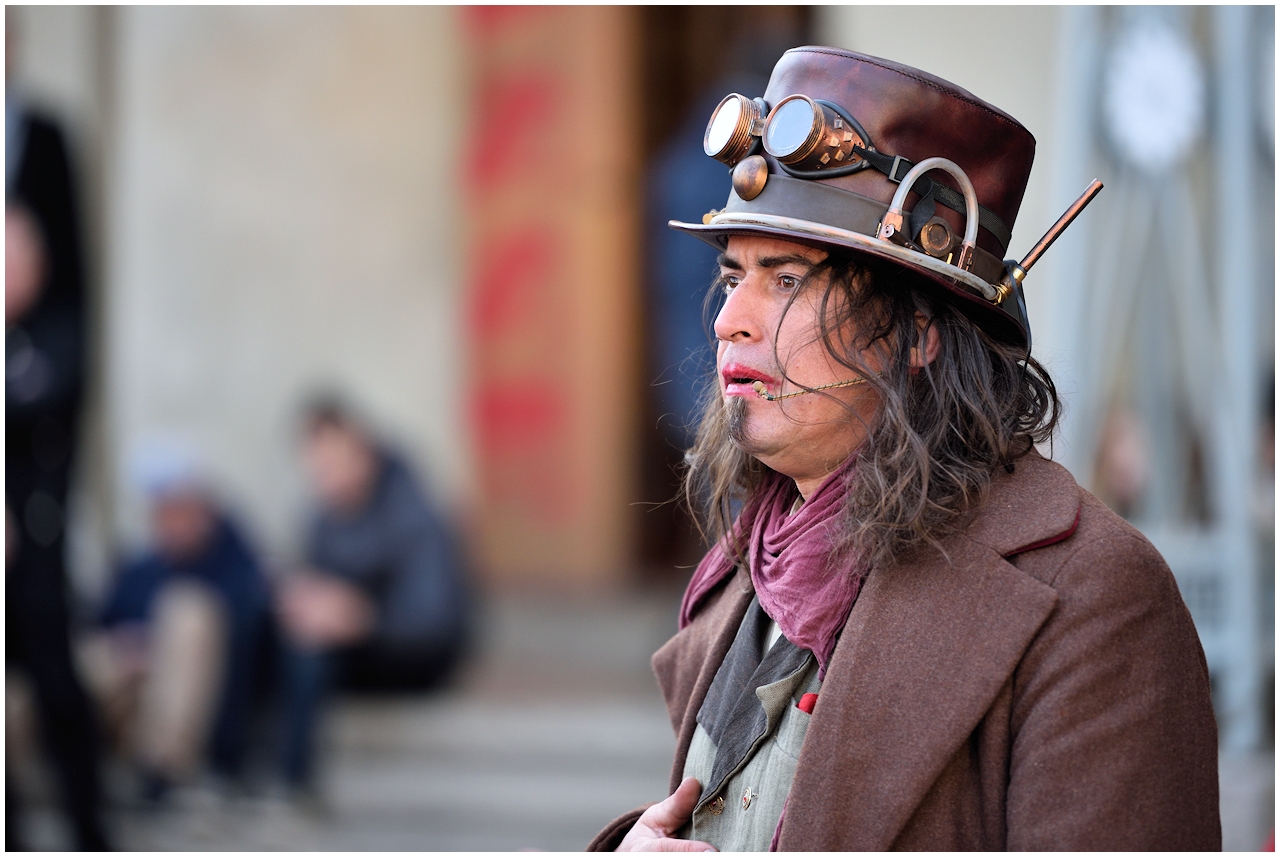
point(788, 282)
point(730, 283)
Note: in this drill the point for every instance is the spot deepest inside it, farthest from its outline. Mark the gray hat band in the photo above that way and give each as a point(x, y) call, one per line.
point(831, 206)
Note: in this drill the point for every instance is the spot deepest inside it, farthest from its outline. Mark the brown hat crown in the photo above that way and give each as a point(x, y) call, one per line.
point(882, 118)
point(914, 115)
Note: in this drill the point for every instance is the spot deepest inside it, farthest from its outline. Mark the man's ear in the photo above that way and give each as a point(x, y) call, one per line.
point(928, 341)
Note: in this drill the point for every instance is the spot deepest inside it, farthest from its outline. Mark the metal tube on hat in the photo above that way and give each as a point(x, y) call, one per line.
point(1034, 254)
point(893, 220)
point(1018, 272)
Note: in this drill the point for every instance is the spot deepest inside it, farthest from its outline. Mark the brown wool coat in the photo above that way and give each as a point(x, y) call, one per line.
point(1045, 689)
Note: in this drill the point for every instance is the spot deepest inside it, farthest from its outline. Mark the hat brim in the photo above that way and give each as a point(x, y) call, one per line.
point(975, 293)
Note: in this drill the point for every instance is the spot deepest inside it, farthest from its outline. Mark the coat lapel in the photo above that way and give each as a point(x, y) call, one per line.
point(924, 654)
point(927, 648)
point(686, 665)
point(1036, 505)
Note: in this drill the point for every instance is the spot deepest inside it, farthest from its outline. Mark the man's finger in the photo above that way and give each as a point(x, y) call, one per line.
point(676, 845)
point(671, 814)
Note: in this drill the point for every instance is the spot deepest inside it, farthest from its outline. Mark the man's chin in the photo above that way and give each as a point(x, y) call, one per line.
point(741, 435)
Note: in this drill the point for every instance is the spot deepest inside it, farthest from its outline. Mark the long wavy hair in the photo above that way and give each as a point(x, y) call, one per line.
point(937, 440)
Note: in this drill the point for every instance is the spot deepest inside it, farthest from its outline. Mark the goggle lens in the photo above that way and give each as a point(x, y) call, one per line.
point(791, 125)
point(723, 124)
point(803, 134)
point(728, 136)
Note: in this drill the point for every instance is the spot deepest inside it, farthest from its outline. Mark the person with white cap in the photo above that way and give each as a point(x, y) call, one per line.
point(185, 627)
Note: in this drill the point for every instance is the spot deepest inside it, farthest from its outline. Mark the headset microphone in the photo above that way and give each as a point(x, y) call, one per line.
point(759, 387)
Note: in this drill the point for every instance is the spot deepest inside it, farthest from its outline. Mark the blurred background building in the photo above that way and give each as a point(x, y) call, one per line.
point(453, 217)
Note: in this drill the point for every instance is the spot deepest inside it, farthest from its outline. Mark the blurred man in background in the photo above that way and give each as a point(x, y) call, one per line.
point(184, 637)
point(382, 601)
point(44, 368)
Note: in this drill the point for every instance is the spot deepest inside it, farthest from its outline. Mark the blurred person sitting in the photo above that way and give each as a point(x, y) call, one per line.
point(381, 602)
point(184, 631)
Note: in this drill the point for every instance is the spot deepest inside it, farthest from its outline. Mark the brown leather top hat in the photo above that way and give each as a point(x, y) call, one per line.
point(846, 150)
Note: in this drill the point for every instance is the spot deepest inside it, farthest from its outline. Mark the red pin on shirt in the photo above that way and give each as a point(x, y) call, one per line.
point(807, 702)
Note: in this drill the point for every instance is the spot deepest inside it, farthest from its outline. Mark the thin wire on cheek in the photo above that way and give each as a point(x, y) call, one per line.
point(841, 326)
point(782, 318)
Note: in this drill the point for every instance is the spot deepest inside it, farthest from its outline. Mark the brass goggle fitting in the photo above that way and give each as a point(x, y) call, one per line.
point(734, 128)
point(807, 136)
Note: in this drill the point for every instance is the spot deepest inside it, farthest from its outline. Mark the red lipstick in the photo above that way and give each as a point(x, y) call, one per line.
point(738, 380)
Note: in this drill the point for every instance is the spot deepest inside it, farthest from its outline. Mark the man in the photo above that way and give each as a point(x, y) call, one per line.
point(382, 603)
point(44, 377)
point(913, 631)
point(184, 633)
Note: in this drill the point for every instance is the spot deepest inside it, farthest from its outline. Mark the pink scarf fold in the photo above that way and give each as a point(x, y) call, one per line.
point(789, 557)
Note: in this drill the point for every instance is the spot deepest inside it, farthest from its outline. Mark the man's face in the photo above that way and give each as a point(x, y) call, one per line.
point(342, 467)
point(809, 436)
point(183, 524)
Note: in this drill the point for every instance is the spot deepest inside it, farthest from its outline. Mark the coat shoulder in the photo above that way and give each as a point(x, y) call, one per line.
point(1105, 571)
point(1102, 550)
point(1040, 520)
point(1120, 659)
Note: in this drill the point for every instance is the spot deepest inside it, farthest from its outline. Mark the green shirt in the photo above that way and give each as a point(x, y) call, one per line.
point(761, 729)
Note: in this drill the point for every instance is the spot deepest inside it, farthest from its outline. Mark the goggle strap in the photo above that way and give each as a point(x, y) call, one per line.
point(896, 167)
point(925, 208)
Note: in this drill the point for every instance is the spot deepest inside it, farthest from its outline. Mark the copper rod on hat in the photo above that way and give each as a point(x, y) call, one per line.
point(1033, 255)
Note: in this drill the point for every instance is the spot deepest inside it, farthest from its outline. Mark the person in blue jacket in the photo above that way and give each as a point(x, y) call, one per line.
point(186, 624)
point(381, 602)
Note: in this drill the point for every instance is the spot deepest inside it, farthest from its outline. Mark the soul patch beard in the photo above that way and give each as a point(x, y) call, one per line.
point(736, 412)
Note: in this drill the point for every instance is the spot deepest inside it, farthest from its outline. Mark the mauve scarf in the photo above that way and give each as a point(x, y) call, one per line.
point(789, 557)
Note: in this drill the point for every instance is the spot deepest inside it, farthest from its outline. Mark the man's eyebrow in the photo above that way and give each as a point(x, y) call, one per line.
point(727, 261)
point(786, 259)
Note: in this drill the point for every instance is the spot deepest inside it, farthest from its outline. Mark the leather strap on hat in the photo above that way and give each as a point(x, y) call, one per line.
point(895, 167)
point(843, 209)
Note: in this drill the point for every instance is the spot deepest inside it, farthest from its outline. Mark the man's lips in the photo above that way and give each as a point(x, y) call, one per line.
point(739, 380)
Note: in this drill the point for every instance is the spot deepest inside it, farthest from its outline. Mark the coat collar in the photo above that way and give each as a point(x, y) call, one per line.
point(687, 664)
point(927, 648)
point(1035, 506)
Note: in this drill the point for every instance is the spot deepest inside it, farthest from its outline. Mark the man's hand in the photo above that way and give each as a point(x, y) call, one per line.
point(652, 831)
point(322, 611)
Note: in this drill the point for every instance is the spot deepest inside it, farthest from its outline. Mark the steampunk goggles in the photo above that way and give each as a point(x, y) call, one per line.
point(805, 135)
point(816, 139)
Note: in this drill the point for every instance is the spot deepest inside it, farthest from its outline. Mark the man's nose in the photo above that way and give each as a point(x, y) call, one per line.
point(738, 317)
